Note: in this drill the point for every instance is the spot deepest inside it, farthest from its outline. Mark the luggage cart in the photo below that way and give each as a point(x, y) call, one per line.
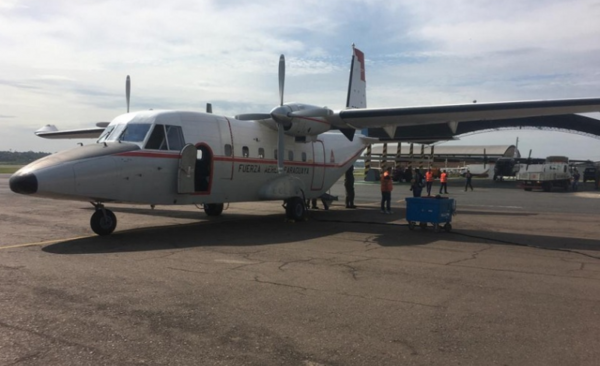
point(434, 210)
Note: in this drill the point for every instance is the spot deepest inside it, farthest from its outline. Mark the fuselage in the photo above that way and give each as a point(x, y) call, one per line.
point(141, 159)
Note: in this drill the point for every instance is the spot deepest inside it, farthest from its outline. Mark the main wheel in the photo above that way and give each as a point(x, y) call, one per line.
point(295, 209)
point(213, 209)
point(448, 227)
point(423, 225)
point(103, 222)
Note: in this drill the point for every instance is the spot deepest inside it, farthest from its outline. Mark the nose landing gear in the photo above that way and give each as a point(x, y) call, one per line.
point(103, 221)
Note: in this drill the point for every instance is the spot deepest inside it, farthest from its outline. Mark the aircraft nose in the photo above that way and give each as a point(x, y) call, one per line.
point(24, 183)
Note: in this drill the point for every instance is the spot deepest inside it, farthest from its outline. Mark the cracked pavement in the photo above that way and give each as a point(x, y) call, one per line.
point(347, 287)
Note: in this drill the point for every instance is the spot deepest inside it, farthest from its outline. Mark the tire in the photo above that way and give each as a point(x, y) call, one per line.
point(528, 189)
point(295, 209)
point(448, 227)
point(103, 222)
point(423, 225)
point(411, 225)
point(213, 209)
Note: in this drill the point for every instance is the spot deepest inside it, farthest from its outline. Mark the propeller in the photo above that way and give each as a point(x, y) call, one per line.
point(208, 108)
point(128, 91)
point(279, 115)
point(528, 161)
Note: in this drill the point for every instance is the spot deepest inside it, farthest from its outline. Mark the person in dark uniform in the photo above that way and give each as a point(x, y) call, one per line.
point(416, 184)
point(349, 185)
point(469, 176)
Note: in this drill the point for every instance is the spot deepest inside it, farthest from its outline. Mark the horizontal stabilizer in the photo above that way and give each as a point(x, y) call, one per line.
point(51, 132)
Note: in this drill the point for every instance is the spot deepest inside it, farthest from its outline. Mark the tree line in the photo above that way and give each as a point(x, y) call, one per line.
point(20, 158)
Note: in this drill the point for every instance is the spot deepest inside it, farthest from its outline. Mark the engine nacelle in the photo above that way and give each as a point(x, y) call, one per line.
point(300, 119)
point(307, 126)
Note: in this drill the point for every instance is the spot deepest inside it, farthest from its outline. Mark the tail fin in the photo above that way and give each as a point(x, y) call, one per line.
point(357, 86)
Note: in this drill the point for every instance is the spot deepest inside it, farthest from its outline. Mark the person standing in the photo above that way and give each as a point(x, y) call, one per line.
point(576, 177)
point(386, 191)
point(416, 185)
point(444, 182)
point(469, 176)
point(349, 185)
point(429, 181)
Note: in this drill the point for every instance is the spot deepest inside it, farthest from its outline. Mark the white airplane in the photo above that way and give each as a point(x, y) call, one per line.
point(291, 154)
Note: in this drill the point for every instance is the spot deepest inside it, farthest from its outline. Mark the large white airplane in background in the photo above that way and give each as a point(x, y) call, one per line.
point(291, 154)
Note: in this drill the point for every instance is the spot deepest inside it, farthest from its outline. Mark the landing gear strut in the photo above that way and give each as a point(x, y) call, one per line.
point(103, 221)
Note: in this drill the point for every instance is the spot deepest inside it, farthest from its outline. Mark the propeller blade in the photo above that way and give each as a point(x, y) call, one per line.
point(280, 148)
point(128, 91)
point(252, 116)
point(528, 160)
point(281, 78)
point(208, 108)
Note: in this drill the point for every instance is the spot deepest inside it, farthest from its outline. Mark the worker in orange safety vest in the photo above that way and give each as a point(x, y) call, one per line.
point(429, 181)
point(444, 181)
point(386, 191)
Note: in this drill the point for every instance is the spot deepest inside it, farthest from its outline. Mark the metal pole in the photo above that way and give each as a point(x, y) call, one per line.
point(367, 161)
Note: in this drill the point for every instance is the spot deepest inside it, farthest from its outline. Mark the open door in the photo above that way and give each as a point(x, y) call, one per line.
point(187, 167)
point(204, 168)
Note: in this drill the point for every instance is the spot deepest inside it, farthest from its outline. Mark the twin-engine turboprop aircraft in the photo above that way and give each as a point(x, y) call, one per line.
point(290, 154)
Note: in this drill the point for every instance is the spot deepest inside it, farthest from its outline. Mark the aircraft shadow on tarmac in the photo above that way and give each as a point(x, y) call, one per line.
point(262, 230)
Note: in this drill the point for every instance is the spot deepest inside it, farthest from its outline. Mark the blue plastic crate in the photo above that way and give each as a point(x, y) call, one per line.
point(429, 209)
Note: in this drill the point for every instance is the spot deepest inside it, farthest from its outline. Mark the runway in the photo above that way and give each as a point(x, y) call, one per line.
point(517, 282)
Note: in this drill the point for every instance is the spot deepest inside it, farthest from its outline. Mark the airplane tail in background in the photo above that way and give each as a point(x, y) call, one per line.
point(357, 86)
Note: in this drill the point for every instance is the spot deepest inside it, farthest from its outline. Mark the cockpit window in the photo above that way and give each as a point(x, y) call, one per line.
point(135, 132)
point(175, 137)
point(131, 132)
point(157, 139)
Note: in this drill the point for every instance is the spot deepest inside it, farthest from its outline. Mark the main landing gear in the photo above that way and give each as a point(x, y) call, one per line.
point(295, 209)
point(103, 221)
point(213, 209)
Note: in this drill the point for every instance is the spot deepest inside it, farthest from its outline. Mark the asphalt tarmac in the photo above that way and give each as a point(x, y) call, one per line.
point(517, 282)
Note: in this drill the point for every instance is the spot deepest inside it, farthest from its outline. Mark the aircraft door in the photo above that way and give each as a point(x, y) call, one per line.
point(187, 167)
point(318, 166)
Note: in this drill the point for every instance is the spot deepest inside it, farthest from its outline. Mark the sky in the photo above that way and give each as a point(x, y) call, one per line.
point(64, 62)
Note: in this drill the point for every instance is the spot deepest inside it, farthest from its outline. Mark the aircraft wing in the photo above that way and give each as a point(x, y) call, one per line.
point(452, 114)
point(51, 132)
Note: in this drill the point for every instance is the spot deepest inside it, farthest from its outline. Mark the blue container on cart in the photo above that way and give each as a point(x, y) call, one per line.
point(434, 210)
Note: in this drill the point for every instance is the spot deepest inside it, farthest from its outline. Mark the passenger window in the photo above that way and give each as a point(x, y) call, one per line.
point(290, 155)
point(245, 151)
point(228, 150)
point(157, 139)
point(175, 138)
point(261, 153)
point(303, 156)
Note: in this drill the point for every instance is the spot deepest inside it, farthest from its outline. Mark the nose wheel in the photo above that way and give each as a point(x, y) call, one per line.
point(103, 221)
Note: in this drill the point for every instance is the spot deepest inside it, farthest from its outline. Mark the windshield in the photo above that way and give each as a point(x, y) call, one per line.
point(130, 132)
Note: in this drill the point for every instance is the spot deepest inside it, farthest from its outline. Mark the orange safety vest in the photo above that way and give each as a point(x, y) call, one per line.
point(429, 177)
point(443, 177)
point(386, 182)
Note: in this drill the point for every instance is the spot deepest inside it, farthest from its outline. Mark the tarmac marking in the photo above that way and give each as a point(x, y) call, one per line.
point(41, 243)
